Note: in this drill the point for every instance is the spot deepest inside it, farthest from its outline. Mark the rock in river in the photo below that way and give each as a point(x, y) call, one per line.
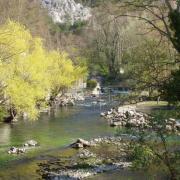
point(30, 143)
point(14, 150)
point(80, 143)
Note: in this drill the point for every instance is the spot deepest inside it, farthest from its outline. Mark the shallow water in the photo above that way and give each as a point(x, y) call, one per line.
point(53, 132)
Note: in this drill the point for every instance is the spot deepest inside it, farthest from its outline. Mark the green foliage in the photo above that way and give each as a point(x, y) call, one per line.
point(130, 98)
point(161, 115)
point(22, 67)
point(157, 146)
point(142, 156)
point(174, 18)
point(146, 65)
point(66, 27)
point(3, 113)
point(91, 84)
point(171, 88)
point(77, 26)
point(28, 72)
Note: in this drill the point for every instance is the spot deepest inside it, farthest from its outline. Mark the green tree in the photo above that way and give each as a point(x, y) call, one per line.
point(63, 73)
point(23, 69)
point(29, 72)
point(148, 66)
point(171, 88)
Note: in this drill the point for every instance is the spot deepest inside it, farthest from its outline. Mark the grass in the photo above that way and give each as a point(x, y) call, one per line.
point(152, 103)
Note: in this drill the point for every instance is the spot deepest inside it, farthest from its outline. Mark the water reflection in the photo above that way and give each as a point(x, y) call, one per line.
point(5, 132)
point(59, 126)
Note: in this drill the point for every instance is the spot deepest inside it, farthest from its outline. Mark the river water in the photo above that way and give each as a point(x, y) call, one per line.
point(56, 129)
point(53, 132)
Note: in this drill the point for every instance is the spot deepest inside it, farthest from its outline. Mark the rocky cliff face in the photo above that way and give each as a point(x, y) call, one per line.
point(66, 11)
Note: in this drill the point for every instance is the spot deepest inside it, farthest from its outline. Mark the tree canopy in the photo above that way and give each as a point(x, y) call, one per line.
point(29, 72)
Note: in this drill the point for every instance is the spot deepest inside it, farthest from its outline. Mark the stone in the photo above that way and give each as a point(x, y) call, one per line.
point(116, 123)
point(21, 150)
point(103, 114)
point(172, 120)
point(80, 98)
point(77, 145)
point(126, 116)
point(84, 142)
point(131, 113)
point(14, 150)
point(109, 116)
point(139, 115)
point(142, 119)
point(26, 145)
point(71, 103)
point(31, 143)
point(15, 119)
point(85, 154)
point(80, 143)
point(169, 128)
point(109, 112)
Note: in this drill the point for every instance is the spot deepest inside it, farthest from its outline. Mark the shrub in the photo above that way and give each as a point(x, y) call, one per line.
point(91, 84)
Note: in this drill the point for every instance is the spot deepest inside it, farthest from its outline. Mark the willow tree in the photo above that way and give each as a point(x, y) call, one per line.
point(29, 72)
point(23, 69)
point(63, 73)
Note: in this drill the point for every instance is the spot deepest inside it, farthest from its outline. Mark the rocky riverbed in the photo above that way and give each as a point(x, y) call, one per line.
point(68, 99)
point(88, 159)
point(128, 116)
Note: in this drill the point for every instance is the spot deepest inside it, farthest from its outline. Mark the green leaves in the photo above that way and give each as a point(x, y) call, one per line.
point(29, 72)
point(149, 65)
point(142, 156)
point(171, 88)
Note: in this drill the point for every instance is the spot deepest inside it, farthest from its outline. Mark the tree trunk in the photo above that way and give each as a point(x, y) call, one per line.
point(11, 117)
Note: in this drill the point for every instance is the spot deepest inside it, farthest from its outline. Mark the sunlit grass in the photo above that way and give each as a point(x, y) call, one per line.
point(152, 103)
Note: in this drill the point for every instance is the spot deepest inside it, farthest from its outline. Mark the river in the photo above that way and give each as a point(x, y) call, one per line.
point(53, 132)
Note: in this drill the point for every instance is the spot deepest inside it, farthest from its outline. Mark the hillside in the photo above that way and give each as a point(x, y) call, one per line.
point(66, 11)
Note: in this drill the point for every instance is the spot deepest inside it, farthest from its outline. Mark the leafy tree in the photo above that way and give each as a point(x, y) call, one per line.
point(91, 84)
point(23, 65)
point(62, 72)
point(148, 66)
point(171, 88)
point(29, 72)
point(109, 43)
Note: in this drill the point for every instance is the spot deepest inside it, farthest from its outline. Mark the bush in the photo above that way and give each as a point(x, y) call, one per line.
point(171, 88)
point(142, 157)
point(91, 84)
point(66, 27)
